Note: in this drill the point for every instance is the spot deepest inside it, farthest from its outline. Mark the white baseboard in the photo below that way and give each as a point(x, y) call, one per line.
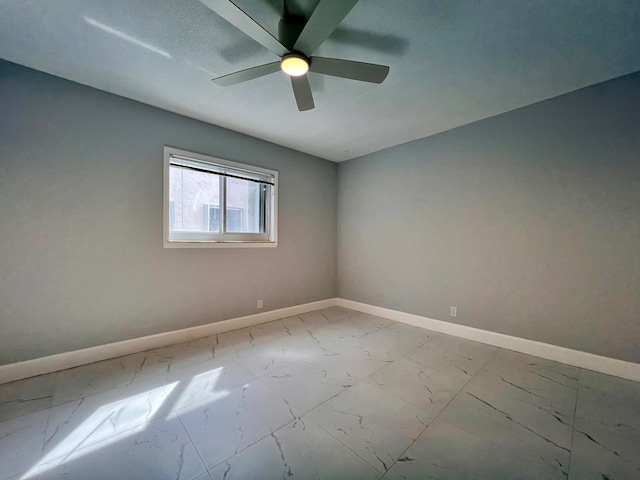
point(597, 363)
point(61, 361)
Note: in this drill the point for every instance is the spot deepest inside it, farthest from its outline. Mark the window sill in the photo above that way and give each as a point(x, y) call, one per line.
point(218, 244)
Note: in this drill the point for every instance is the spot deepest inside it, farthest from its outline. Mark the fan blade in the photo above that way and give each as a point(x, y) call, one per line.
point(324, 20)
point(243, 22)
point(365, 72)
point(302, 92)
point(248, 74)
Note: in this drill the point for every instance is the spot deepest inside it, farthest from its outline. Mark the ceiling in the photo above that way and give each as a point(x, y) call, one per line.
point(452, 61)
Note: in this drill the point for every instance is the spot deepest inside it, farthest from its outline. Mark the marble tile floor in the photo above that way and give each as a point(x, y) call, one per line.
point(332, 394)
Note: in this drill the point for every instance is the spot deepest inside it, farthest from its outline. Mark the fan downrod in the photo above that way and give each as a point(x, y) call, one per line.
point(289, 29)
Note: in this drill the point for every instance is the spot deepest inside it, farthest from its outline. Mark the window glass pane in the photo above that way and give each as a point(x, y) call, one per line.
point(246, 206)
point(212, 221)
point(195, 197)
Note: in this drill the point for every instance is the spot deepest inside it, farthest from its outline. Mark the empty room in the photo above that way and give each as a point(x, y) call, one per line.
point(320, 239)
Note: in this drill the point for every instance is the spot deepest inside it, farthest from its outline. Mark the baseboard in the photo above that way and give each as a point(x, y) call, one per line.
point(61, 361)
point(597, 363)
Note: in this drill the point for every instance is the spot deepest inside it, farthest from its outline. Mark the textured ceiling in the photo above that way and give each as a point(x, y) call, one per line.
point(452, 62)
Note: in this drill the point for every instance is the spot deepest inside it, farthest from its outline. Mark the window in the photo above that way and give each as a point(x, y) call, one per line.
point(211, 202)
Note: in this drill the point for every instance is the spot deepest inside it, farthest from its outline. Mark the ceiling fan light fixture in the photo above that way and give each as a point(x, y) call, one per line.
point(297, 37)
point(294, 65)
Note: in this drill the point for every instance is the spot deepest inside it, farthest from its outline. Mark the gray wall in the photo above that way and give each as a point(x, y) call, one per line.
point(81, 255)
point(528, 222)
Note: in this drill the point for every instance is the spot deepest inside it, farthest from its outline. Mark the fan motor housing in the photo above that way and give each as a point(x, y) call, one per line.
point(294, 64)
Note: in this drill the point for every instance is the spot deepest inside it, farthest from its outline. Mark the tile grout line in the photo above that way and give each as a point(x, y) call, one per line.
point(202, 402)
point(303, 414)
point(46, 429)
point(175, 411)
point(323, 352)
point(443, 409)
point(409, 359)
point(258, 379)
point(44, 442)
point(204, 464)
point(332, 436)
point(377, 385)
point(573, 427)
point(334, 396)
point(343, 391)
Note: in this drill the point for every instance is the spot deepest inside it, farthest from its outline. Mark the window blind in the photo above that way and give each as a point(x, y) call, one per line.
point(222, 170)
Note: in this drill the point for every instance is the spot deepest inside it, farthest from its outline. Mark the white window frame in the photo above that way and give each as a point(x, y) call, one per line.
point(225, 239)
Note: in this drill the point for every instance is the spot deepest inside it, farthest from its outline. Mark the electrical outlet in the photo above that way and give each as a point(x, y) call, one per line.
point(453, 311)
point(259, 303)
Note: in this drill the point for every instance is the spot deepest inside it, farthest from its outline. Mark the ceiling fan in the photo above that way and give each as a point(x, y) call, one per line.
point(298, 39)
